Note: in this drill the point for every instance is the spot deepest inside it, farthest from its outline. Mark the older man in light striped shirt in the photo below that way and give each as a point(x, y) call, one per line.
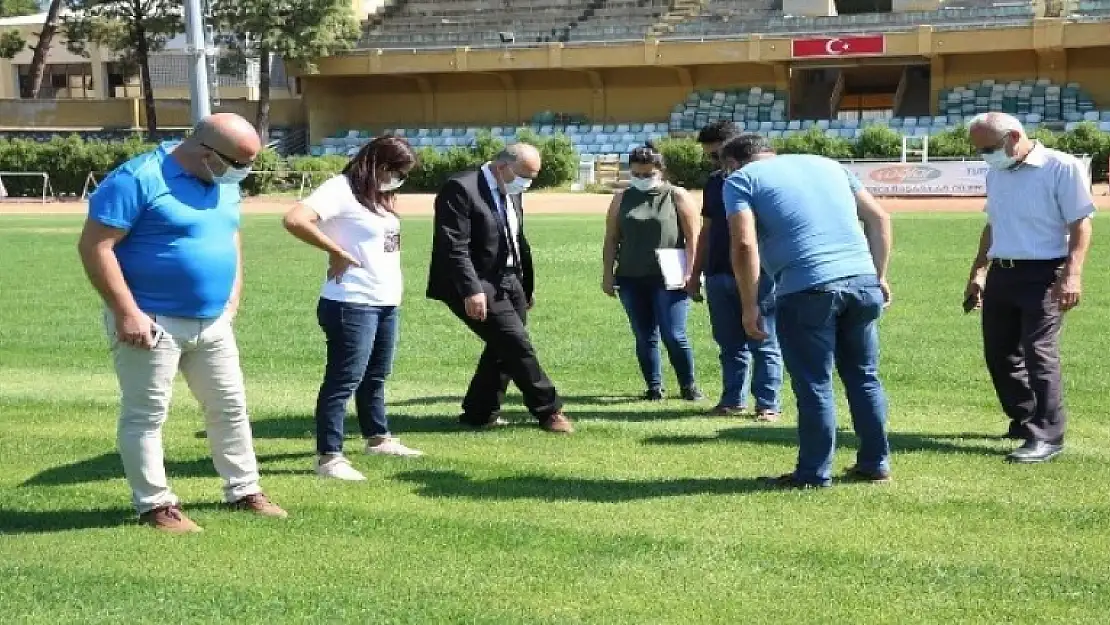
point(1026, 274)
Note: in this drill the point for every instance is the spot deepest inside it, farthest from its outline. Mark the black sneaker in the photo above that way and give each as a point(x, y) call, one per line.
point(691, 393)
point(654, 394)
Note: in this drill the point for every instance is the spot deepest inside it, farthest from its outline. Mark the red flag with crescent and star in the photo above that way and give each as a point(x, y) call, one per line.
point(838, 46)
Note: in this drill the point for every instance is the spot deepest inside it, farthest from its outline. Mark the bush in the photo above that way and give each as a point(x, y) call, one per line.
point(69, 160)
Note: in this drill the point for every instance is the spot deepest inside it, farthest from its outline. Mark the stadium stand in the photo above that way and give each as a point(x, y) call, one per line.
point(424, 23)
point(722, 18)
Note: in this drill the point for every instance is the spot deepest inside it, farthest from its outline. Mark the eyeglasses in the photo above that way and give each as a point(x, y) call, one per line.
point(1001, 145)
point(231, 162)
point(643, 175)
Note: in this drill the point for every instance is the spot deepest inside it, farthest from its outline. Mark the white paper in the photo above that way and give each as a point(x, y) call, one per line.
point(672, 262)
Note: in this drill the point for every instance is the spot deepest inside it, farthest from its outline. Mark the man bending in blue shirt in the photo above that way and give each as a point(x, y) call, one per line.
point(801, 215)
point(161, 246)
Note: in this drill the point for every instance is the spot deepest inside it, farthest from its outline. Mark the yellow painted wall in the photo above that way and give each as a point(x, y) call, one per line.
point(484, 99)
point(127, 113)
point(1090, 67)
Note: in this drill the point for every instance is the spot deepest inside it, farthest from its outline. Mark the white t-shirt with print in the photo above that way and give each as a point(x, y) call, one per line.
point(374, 239)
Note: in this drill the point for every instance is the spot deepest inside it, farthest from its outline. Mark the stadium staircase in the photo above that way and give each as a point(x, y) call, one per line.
point(679, 11)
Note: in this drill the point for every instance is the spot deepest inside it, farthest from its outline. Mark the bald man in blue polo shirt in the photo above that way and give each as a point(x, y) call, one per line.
point(161, 245)
point(800, 216)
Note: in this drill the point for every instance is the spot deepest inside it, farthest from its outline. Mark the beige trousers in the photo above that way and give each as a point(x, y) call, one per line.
point(205, 352)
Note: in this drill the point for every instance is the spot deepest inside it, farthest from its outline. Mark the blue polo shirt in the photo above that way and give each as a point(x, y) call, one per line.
point(806, 221)
point(717, 256)
point(178, 257)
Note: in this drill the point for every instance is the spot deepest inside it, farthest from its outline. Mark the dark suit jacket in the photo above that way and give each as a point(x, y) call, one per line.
point(468, 255)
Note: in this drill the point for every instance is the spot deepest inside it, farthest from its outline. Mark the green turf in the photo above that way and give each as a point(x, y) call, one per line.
point(650, 514)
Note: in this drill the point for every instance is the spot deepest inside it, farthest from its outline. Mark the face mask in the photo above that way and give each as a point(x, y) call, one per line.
point(231, 175)
point(393, 184)
point(645, 184)
point(517, 186)
point(998, 159)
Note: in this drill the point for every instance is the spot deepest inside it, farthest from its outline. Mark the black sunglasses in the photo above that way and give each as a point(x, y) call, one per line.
point(227, 159)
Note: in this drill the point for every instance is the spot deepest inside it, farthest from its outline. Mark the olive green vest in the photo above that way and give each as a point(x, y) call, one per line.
point(648, 222)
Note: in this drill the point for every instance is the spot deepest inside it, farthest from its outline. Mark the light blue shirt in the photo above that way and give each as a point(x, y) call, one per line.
point(1030, 207)
point(806, 222)
point(179, 256)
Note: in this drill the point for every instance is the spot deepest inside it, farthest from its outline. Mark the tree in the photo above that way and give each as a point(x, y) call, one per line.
point(132, 28)
point(38, 59)
point(298, 31)
point(11, 44)
point(15, 8)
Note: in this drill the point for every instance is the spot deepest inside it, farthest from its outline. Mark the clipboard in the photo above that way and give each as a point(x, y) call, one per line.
point(673, 265)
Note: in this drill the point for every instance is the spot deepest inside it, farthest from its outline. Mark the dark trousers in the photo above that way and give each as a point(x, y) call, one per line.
point(1021, 331)
point(360, 345)
point(509, 355)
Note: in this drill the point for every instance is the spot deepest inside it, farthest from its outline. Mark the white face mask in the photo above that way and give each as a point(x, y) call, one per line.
point(645, 184)
point(998, 159)
point(517, 186)
point(393, 184)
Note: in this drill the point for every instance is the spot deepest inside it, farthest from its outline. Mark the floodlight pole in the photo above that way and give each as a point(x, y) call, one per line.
point(199, 103)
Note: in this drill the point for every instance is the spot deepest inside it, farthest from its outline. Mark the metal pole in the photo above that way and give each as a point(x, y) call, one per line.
point(196, 47)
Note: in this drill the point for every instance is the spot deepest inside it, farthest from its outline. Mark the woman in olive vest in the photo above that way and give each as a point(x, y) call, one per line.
point(652, 215)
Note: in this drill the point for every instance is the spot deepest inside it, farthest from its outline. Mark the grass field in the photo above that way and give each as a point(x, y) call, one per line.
point(649, 514)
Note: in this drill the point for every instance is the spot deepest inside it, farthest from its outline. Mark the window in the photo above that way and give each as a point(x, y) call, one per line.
point(61, 80)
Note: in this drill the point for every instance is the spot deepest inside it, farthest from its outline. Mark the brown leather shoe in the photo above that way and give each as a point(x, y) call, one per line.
point(857, 474)
point(496, 423)
point(558, 423)
point(261, 505)
point(727, 411)
point(169, 519)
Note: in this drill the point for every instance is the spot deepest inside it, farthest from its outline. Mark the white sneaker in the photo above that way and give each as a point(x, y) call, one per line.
point(392, 447)
point(338, 467)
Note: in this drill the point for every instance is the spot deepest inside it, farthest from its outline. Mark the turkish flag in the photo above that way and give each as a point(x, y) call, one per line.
point(838, 46)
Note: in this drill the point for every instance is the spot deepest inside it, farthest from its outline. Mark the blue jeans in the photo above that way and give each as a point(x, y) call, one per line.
point(835, 323)
point(738, 351)
point(654, 311)
point(360, 345)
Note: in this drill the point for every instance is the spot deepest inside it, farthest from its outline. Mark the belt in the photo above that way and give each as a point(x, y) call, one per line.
point(1015, 263)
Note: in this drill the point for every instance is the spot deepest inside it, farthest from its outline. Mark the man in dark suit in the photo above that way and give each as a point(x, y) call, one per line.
point(482, 269)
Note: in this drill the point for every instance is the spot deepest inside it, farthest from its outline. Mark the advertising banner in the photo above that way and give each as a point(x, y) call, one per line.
point(937, 178)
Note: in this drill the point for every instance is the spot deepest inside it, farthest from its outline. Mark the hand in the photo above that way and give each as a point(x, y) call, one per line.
point(753, 323)
point(608, 287)
point(531, 302)
point(1066, 292)
point(887, 296)
point(338, 264)
point(475, 306)
point(973, 295)
point(136, 330)
point(693, 288)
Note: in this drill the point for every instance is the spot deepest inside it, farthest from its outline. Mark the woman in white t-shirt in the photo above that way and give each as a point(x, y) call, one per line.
point(351, 217)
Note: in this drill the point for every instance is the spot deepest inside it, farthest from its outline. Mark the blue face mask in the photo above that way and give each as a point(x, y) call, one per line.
point(231, 175)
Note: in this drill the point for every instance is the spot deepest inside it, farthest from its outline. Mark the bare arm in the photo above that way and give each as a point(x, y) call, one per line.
point(97, 249)
point(688, 221)
point(611, 244)
point(877, 229)
point(1069, 286)
point(745, 265)
point(301, 222)
point(979, 265)
point(697, 266)
point(1078, 241)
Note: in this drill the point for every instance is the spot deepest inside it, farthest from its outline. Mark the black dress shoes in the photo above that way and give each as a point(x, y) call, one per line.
point(1034, 451)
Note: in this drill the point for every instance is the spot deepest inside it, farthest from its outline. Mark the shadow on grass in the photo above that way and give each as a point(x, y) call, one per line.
point(787, 437)
point(303, 426)
point(108, 467)
point(54, 521)
point(570, 400)
point(452, 484)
